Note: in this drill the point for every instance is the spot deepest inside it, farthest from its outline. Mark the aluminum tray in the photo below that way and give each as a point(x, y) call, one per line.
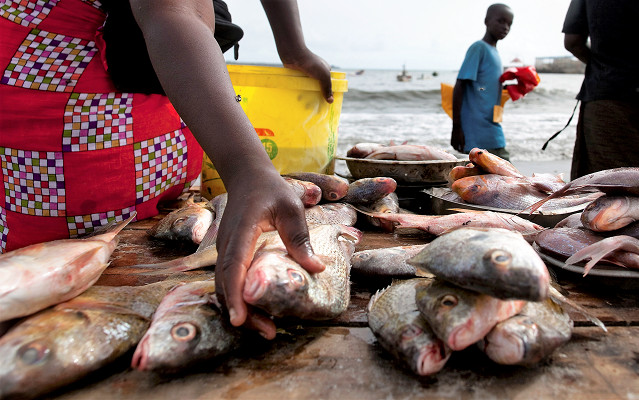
point(404, 172)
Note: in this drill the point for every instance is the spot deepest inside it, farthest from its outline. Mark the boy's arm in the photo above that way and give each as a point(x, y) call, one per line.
point(284, 18)
point(457, 136)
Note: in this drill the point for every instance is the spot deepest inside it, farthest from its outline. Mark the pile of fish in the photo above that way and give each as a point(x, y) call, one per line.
point(401, 152)
point(491, 181)
point(489, 289)
point(607, 230)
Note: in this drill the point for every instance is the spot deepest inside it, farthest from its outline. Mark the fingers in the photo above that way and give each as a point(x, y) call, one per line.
point(260, 323)
point(293, 230)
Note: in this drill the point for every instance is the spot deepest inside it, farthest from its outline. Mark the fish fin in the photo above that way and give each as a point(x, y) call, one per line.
point(376, 297)
point(193, 261)
point(209, 239)
point(595, 252)
point(423, 273)
point(558, 298)
point(84, 258)
point(466, 210)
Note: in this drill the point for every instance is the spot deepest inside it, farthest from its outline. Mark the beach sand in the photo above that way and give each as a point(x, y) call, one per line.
point(545, 167)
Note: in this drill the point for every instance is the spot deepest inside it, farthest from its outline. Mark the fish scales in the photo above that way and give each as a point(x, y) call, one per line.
point(389, 261)
point(401, 330)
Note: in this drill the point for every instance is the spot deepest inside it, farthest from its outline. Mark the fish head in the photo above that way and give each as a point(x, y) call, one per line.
point(338, 213)
point(45, 351)
point(181, 339)
point(425, 353)
point(607, 213)
point(515, 272)
point(188, 223)
point(276, 281)
point(449, 310)
point(470, 187)
point(513, 341)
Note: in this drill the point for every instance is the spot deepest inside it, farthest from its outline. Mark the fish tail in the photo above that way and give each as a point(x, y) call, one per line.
point(595, 252)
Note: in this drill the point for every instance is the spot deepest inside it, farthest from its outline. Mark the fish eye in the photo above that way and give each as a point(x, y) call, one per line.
point(184, 332)
point(178, 221)
point(296, 278)
point(500, 258)
point(33, 353)
point(449, 301)
point(410, 332)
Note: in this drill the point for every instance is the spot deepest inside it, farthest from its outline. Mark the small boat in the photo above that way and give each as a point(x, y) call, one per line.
point(404, 77)
point(360, 72)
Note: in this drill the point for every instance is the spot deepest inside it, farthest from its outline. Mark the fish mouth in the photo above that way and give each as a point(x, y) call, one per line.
point(508, 351)
point(255, 286)
point(462, 336)
point(431, 359)
point(140, 360)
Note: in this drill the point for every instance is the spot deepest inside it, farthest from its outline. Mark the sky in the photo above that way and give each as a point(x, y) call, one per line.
point(422, 34)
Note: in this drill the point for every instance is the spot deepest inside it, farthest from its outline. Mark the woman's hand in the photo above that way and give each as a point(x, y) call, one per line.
point(256, 205)
point(316, 67)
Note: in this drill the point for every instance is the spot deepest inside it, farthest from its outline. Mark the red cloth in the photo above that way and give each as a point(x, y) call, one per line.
point(526, 77)
point(75, 153)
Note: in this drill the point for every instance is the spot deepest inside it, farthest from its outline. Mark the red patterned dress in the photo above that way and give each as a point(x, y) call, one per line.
point(75, 153)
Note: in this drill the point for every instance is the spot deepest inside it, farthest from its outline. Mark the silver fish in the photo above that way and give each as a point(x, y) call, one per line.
point(40, 275)
point(280, 286)
point(369, 190)
point(63, 343)
point(187, 327)
point(399, 327)
point(387, 204)
point(496, 262)
point(458, 316)
point(188, 223)
point(530, 336)
point(389, 261)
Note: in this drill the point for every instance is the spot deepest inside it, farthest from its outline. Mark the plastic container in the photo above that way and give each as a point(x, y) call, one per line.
point(297, 127)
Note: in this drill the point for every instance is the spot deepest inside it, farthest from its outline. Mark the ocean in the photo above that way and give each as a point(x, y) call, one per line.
point(378, 108)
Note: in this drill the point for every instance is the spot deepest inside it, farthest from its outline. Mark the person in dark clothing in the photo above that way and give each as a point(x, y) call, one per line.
point(608, 127)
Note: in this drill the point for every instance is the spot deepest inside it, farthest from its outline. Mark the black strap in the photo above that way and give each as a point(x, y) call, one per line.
point(562, 129)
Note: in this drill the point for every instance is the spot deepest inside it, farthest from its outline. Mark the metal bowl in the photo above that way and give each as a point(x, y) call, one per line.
point(404, 172)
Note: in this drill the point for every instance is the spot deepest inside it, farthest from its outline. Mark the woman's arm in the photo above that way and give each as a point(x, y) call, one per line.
point(192, 71)
point(284, 18)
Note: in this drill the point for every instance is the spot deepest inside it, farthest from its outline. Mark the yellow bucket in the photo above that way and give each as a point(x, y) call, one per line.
point(297, 127)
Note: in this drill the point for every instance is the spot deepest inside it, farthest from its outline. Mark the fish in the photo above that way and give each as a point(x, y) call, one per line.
point(389, 261)
point(40, 275)
point(571, 221)
point(547, 183)
point(308, 192)
point(439, 224)
point(333, 187)
point(62, 344)
point(609, 213)
point(621, 250)
point(510, 193)
point(369, 190)
point(387, 204)
point(564, 242)
point(461, 317)
point(188, 327)
point(462, 171)
point(361, 150)
point(493, 164)
point(188, 223)
point(401, 330)
point(280, 286)
point(492, 261)
point(326, 214)
point(617, 181)
point(410, 152)
point(530, 336)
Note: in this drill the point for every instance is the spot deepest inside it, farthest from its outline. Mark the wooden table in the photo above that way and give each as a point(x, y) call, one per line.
point(341, 359)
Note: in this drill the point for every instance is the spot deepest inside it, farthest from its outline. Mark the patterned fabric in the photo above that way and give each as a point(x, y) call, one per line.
point(76, 154)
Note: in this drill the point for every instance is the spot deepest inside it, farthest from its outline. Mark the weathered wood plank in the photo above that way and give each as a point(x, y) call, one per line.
point(348, 363)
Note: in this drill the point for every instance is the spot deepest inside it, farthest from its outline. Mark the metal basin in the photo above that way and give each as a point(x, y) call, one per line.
point(404, 172)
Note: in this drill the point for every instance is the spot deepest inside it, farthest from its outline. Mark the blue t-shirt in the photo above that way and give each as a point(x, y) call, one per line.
point(482, 67)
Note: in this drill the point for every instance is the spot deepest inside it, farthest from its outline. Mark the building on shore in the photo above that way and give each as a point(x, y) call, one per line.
point(559, 65)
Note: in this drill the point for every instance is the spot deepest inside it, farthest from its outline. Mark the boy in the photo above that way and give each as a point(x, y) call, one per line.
point(477, 92)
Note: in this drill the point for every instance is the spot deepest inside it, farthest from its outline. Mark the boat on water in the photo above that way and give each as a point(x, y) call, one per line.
point(404, 77)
